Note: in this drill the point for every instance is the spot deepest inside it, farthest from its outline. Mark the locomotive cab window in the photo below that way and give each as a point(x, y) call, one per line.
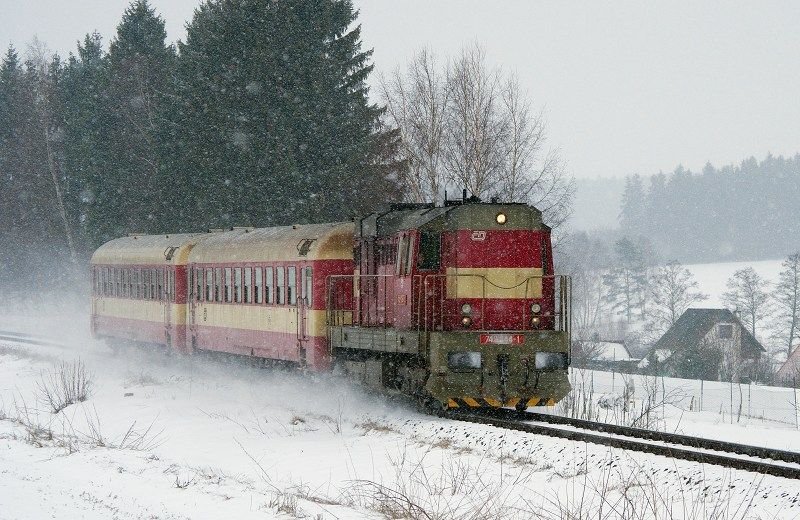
point(430, 247)
point(405, 252)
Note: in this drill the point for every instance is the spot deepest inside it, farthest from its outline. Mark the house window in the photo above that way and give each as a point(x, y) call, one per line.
point(725, 331)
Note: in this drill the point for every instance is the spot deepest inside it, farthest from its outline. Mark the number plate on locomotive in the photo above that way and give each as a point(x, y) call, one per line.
point(502, 339)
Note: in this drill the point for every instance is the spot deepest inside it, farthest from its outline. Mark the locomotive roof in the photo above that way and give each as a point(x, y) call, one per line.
point(299, 242)
point(468, 215)
point(147, 249)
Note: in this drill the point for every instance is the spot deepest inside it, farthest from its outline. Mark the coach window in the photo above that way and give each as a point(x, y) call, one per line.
point(118, 282)
point(259, 283)
point(171, 285)
point(209, 285)
point(198, 283)
point(307, 287)
point(154, 293)
point(292, 286)
point(128, 283)
point(219, 283)
point(280, 286)
point(228, 284)
point(237, 285)
point(270, 284)
point(248, 285)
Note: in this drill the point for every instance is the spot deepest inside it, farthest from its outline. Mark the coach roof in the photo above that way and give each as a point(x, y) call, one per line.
point(147, 249)
point(286, 243)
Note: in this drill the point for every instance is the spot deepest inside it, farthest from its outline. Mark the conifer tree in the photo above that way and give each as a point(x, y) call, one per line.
point(278, 126)
point(139, 76)
point(85, 127)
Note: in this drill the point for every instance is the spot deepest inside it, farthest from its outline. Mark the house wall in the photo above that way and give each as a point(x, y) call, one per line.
point(731, 349)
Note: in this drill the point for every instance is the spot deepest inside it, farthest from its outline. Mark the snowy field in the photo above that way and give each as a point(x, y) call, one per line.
point(712, 277)
point(168, 437)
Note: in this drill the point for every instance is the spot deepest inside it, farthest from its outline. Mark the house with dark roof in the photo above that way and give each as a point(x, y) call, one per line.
point(709, 344)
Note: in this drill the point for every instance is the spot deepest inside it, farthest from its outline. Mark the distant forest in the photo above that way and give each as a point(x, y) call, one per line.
point(748, 211)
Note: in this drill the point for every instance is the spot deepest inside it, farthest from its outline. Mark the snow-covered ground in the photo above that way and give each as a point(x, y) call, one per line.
point(170, 437)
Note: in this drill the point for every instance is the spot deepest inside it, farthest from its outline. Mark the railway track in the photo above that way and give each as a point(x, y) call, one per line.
point(756, 459)
point(28, 339)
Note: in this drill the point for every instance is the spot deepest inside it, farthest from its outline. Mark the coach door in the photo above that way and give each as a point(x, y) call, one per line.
point(303, 308)
point(168, 293)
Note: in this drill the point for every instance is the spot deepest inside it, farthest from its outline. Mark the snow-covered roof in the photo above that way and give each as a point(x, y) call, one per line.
point(611, 351)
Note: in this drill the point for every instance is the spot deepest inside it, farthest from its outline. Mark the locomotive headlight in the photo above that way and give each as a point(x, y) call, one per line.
point(535, 320)
point(501, 218)
point(550, 361)
point(466, 309)
point(466, 321)
point(536, 308)
point(464, 360)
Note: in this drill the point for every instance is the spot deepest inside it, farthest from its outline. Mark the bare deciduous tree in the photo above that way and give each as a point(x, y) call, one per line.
point(475, 137)
point(416, 103)
point(672, 290)
point(787, 305)
point(467, 125)
point(747, 294)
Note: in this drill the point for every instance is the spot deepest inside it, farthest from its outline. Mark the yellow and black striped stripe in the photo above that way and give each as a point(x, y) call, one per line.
point(490, 402)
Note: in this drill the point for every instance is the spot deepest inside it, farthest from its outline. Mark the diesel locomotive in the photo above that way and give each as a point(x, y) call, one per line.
point(457, 305)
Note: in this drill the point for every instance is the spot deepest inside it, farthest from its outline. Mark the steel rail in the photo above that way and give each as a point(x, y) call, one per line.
point(28, 339)
point(626, 438)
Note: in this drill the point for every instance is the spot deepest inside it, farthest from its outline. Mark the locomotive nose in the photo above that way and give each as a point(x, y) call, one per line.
point(467, 373)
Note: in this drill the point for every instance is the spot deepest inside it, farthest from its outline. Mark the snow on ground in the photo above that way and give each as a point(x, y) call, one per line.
point(213, 438)
point(749, 414)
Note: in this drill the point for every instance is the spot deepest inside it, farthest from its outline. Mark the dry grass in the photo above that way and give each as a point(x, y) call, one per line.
point(373, 426)
point(68, 384)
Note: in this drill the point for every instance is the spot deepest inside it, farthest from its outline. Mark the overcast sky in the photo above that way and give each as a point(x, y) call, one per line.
point(627, 87)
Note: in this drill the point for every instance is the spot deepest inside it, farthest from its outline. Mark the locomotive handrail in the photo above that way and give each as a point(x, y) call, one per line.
point(429, 293)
